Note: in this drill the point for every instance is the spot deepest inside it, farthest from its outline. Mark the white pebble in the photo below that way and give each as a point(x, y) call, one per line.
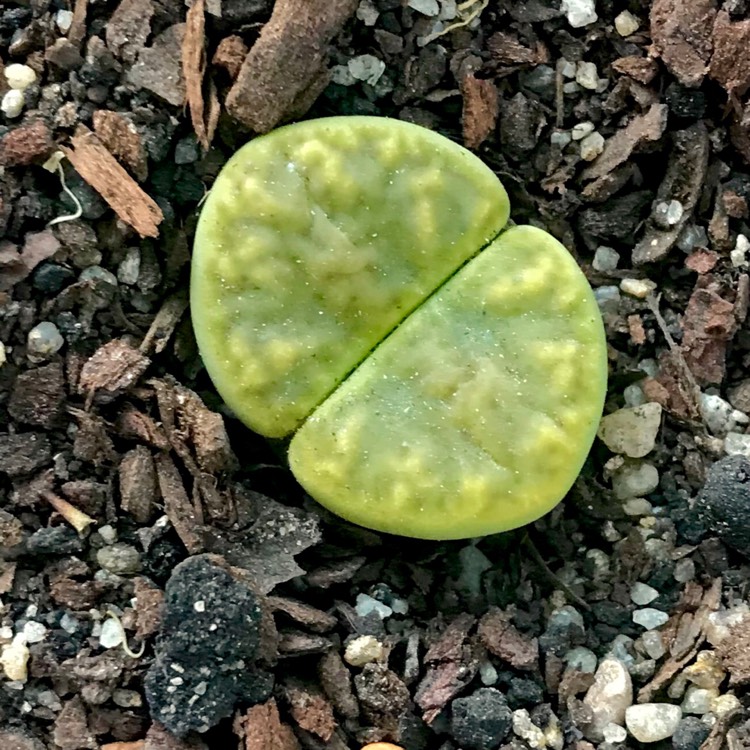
point(366, 604)
point(739, 253)
point(639, 288)
point(581, 130)
point(626, 23)
point(111, 634)
point(44, 340)
point(605, 258)
point(653, 643)
point(560, 138)
point(736, 444)
point(698, 700)
point(579, 12)
point(425, 7)
point(614, 733)
point(634, 395)
point(608, 697)
point(652, 722)
point(64, 20)
point(638, 506)
point(587, 76)
point(650, 618)
point(108, 533)
point(19, 76)
point(581, 659)
point(567, 68)
point(367, 68)
point(724, 705)
point(642, 594)
point(684, 570)
point(367, 13)
point(363, 650)
point(14, 659)
point(34, 632)
point(12, 104)
point(719, 415)
point(525, 728)
point(487, 673)
point(631, 431)
point(591, 146)
point(635, 480)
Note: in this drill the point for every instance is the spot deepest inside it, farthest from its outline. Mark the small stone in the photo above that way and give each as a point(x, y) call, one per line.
point(54, 540)
point(631, 431)
point(64, 20)
point(635, 480)
point(650, 618)
point(570, 88)
point(723, 705)
point(739, 254)
point(487, 673)
point(653, 643)
point(367, 605)
point(567, 68)
point(111, 634)
point(706, 671)
point(591, 146)
point(97, 273)
point(608, 697)
point(605, 259)
point(120, 559)
point(363, 650)
point(626, 23)
point(684, 570)
point(130, 267)
point(579, 12)
point(481, 720)
point(698, 700)
point(525, 728)
point(719, 415)
point(34, 632)
point(643, 594)
point(608, 298)
point(368, 13)
point(587, 76)
point(634, 395)
point(581, 130)
point(581, 659)
point(50, 278)
point(639, 288)
point(560, 138)
point(126, 698)
point(12, 104)
point(425, 7)
point(668, 213)
point(19, 77)
point(691, 237)
point(14, 658)
point(108, 533)
point(651, 722)
point(187, 151)
point(367, 68)
point(690, 734)
point(43, 341)
point(614, 733)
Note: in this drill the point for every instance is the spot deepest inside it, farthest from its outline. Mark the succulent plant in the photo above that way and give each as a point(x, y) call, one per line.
point(355, 288)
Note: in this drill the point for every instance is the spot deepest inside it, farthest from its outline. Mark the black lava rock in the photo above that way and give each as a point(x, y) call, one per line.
point(204, 657)
point(691, 733)
point(54, 540)
point(524, 693)
point(50, 278)
point(724, 502)
point(482, 720)
point(685, 103)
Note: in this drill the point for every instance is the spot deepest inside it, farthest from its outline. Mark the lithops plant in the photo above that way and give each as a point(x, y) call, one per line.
point(356, 290)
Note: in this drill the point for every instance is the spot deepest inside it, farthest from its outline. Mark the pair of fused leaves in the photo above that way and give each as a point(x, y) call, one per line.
point(352, 286)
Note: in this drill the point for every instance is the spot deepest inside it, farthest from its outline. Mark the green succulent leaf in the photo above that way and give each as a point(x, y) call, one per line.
point(352, 287)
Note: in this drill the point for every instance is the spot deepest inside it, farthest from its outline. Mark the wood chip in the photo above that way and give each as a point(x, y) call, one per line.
point(260, 728)
point(734, 651)
point(684, 180)
point(113, 368)
point(177, 505)
point(138, 487)
point(708, 327)
point(641, 129)
point(77, 30)
point(149, 605)
point(230, 54)
point(164, 323)
point(642, 69)
point(681, 34)
point(194, 68)
point(104, 173)
point(697, 621)
point(481, 108)
point(449, 645)
point(311, 710)
point(282, 73)
point(310, 617)
point(121, 138)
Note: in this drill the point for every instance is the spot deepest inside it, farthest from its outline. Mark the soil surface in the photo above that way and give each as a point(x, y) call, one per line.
point(165, 583)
